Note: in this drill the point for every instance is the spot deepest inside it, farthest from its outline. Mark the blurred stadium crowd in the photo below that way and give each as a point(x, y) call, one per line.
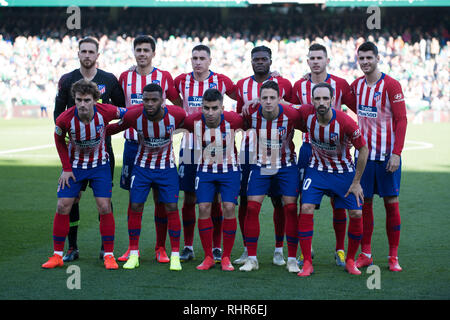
point(36, 47)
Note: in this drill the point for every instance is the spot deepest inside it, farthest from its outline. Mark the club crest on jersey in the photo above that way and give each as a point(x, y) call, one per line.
point(170, 128)
point(333, 136)
point(282, 131)
point(213, 85)
point(156, 82)
point(99, 128)
point(101, 88)
point(377, 96)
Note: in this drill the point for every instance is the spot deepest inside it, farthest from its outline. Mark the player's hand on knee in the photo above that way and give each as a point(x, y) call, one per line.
point(64, 179)
point(357, 190)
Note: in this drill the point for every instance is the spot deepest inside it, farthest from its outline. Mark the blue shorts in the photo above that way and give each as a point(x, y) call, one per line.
point(129, 156)
point(335, 185)
point(285, 180)
point(99, 179)
point(304, 157)
point(208, 184)
point(274, 191)
point(187, 171)
point(165, 180)
point(376, 180)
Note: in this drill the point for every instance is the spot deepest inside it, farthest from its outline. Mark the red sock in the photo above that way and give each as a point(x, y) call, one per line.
point(305, 234)
point(340, 226)
point(241, 215)
point(251, 227)
point(367, 217)
point(205, 230)
point(174, 227)
point(393, 224)
point(290, 210)
point(188, 216)
point(160, 225)
point(279, 224)
point(107, 231)
point(61, 225)
point(217, 217)
point(355, 228)
point(134, 228)
point(229, 234)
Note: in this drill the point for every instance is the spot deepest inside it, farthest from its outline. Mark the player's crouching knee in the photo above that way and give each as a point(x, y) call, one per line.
point(355, 213)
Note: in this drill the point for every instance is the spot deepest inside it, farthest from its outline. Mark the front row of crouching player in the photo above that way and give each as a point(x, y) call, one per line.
point(331, 170)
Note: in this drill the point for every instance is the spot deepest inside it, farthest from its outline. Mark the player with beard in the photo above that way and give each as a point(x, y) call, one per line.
point(111, 93)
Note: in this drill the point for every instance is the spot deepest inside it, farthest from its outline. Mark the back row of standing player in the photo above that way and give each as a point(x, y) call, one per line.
point(374, 96)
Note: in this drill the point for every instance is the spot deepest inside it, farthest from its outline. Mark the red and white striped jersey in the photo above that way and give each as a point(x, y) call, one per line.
point(331, 144)
point(133, 84)
point(302, 94)
point(214, 148)
point(192, 90)
point(275, 148)
point(248, 90)
point(86, 147)
point(379, 108)
point(155, 149)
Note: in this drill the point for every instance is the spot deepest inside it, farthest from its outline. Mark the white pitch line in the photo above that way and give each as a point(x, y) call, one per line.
point(420, 145)
point(26, 149)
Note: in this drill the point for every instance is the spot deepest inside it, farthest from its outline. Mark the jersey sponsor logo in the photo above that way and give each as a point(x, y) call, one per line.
point(213, 85)
point(101, 88)
point(398, 97)
point(136, 98)
point(272, 144)
point(88, 144)
point(324, 145)
point(156, 142)
point(195, 101)
point(367, 111)
point(58, 130)
point(357, 133)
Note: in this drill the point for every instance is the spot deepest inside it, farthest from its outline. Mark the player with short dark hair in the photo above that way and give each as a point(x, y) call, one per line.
point(381, 110)
point(318, 61)
point(276, 166)
point(133, 81)
point(154, 167)
point(192, 86)
point(85, 158)
point(217, 172)
point(110, 92)
point(331, 171)
point(248, 92)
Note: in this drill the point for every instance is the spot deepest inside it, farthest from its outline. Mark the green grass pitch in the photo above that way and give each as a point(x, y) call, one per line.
point(29, 168)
